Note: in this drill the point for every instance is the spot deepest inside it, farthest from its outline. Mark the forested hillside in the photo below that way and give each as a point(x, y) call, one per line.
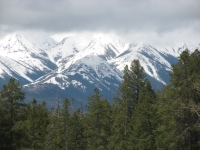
point(139, 118)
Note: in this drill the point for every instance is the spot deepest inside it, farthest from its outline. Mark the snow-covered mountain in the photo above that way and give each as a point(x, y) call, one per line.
point(78, 80)
point(88, 44)
point(22, 59)
point(76, 65)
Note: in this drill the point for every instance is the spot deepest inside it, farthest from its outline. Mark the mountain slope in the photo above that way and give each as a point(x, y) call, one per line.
point(89, 44)
point(154, 62)
point(23, 59)
point(75, 66)
point(78, 80)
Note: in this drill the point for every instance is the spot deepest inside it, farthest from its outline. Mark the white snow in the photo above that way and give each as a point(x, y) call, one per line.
point(88, 44)
point(98, 52)
point(20, 55)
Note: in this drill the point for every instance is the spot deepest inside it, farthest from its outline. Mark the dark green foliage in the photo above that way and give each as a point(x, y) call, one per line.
point(55, 140)
point(144, 120)
point(65, 121)
point(133, 80)
point(181, 100)
point(76, 139)
point(58, 128)
point(166, 132)
point(35, 125)
point(97, 122)
point(11, 104)
point(4, 126)
point(138, 118)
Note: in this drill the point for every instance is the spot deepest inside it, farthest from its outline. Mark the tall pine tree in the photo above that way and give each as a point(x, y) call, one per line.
point(97, 122)
point(144, 120)
point(181, 100)
point(35, 125)
point(58, 128)
point(12, 102)
point(76, 138)
point(133, 81)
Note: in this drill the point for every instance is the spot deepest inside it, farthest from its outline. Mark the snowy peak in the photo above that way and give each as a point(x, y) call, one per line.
point(150, 59)
point(43, 42)
point(79, 63)
point(13, 42)
point(176, 51)
point(23, 59)
point(99, 67)
point(16, 42)
point(13, 37)
point(17, 46)
point(87, 44)
point(78, 79)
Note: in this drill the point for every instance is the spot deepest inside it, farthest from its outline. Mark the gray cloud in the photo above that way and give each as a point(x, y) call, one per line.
point(127, 16)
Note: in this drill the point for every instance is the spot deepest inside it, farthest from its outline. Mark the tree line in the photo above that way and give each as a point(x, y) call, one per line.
point(139, 118)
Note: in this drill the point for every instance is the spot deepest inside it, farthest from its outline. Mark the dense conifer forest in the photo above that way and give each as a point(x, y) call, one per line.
point(139, 118)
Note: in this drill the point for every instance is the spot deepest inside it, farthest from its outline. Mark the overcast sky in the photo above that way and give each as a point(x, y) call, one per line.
point(157, 22)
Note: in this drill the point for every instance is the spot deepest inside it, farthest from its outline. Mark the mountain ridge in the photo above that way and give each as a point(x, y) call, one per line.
point(80, 63)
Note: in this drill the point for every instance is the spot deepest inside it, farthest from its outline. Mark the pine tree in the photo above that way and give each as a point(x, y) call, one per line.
point(182, 98)
point(4, 126)
point(12, 102)
point(54, 129)
point(97, 122)
point(65, 118)
point(133, 80)
point(58, 128)
point(167, 130)
point(76, 139)
point(144, 120)
point(35, 125)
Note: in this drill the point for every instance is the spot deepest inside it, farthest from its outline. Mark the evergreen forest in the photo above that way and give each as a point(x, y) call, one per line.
point(139, 118)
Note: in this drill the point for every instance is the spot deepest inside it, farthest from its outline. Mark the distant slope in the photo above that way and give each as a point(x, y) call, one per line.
point(23, 60)
point(78, 80)
point(77, 64)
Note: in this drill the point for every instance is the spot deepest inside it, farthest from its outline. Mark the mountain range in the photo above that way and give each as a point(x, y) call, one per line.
point(73, 67)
